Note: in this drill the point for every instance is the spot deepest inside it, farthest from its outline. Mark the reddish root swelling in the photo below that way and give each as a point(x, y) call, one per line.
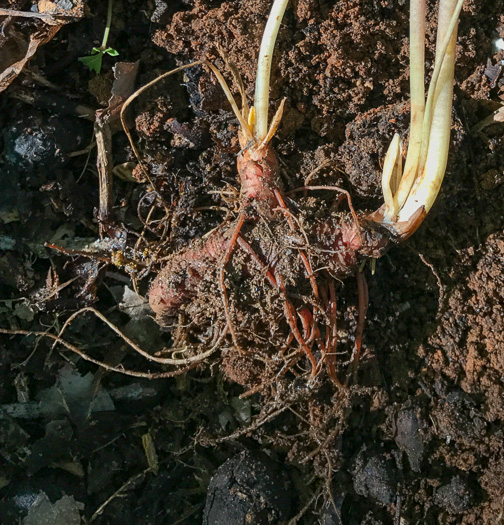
point(337, 244)
point(258, 171)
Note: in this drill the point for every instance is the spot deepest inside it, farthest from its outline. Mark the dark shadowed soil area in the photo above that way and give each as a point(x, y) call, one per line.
point(238, 437)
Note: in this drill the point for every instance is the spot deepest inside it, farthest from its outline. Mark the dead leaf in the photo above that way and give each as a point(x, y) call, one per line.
point(134, 306)
point(37, 39)
point(124, 84)
point(150, 452)
point(65, 511)
point(20, 40)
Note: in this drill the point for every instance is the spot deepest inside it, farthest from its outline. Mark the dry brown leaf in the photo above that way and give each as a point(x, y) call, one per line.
point(36, 39)
point(124, 84)
point(17, 48)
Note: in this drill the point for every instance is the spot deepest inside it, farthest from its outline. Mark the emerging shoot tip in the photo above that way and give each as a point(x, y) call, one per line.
point(410, 196)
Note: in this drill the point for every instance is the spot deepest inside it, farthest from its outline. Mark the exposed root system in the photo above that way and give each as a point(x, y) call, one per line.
point(267, 277)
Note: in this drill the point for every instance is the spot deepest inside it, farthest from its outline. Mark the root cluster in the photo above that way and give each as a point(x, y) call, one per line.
point(267, 281)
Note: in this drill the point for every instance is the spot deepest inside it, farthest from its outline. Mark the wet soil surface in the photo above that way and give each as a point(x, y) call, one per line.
point(417, 439)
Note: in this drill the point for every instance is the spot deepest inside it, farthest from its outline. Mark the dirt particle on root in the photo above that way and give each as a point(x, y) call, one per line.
point(240, 370)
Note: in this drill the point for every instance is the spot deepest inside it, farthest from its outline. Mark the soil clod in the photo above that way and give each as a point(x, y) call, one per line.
point(248, 488)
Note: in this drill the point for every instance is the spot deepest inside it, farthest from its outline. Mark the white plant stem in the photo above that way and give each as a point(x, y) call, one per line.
point(417, 81)
point(261, 97)
point(430, 123)
point(437, 116)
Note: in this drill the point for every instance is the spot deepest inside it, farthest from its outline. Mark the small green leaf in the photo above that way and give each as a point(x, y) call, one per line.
point(93, 62)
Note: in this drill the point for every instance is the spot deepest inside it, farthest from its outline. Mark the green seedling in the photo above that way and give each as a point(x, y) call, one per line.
point(94, 61)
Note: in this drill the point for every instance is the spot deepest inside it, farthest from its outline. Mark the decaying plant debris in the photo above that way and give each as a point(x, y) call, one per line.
point(422, 417)
point(23, 32)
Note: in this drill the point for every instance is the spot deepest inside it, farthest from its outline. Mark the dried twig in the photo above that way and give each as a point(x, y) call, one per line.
point(48, 17)
point(118, 492)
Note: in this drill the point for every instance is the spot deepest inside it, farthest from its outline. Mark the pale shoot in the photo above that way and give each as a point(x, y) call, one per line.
point(392, 171)
point(261, 96)
point(417, 91)
point(407, 204)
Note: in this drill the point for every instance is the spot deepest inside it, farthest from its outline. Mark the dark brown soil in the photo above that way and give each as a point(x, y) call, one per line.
point(418, 439)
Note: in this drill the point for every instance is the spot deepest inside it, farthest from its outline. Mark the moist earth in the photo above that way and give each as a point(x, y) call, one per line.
point(417, 439)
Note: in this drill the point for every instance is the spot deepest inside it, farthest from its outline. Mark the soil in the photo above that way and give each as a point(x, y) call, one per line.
point(416, 439)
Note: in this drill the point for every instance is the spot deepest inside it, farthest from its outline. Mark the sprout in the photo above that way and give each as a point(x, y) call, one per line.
point(410, 195)
point(254, 132)
point(261, 97)
point(94, 60)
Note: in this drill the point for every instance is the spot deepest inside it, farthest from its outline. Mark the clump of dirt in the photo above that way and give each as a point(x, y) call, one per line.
point(324, 67)
point(249, 488)
point(470, 338)
point(375, 477)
